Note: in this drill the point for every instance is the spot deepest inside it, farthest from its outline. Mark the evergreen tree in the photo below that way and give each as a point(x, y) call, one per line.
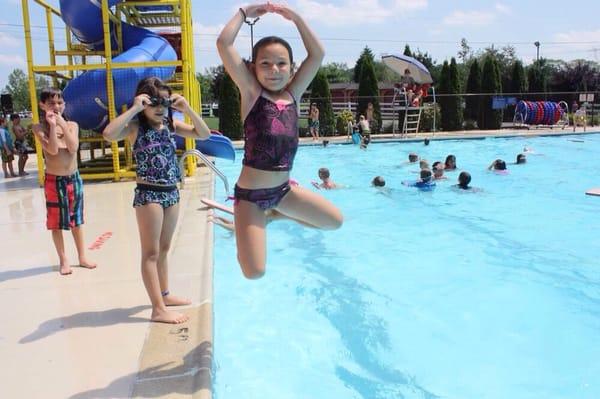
point(407, 51)
point(473, 103)
point(368, 92)
point(518, 83)
point(366, 53)
point(230, 119)
point(454, 102)
point(321, 95)
point(444, 90)
point(537, 75)
point(491, 84)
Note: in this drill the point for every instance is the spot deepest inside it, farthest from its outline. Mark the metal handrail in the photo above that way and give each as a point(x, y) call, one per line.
point(207, 162)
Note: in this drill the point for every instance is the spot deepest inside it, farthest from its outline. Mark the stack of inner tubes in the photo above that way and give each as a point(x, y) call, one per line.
point(539, 112)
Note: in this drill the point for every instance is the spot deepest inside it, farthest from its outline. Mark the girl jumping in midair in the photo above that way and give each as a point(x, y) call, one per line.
point(269, 90)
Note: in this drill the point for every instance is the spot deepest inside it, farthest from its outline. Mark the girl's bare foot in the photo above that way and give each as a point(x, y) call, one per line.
point(166, 316)
point(65, 269)
point(87, 264)
point(172, 300)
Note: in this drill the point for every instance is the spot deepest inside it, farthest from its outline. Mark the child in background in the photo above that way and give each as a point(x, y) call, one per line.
point(438, 171)
point(326, 182)
point(450, 163)
point(498, 166)
point(425, 184)
point(149, 126)
point(63, 186)
point(521, 159)
point(313, 121)
point(20, 144)
point(378, 181)
point(269, 89)
point(7, 150)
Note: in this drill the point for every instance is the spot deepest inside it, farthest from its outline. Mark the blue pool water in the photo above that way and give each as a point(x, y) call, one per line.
point(423, 294)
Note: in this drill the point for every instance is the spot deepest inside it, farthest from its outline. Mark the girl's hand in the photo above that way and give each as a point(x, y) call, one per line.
point(257, 10)
point(179, 103)
point(60, 121)
point(141, 102)
point(51, 118)
point(282, 10)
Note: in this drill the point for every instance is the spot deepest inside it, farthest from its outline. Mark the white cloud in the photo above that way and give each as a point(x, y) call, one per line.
point(580, 39)
point(502, 8)
point(12, 60)
point(356, 12)
point(7, 40)
point(469, 18)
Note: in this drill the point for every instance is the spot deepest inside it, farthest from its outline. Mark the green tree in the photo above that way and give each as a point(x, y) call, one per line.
point(443, 89)
point(492, 85)
point(366, 54)
point(537, 75)
point(407, 51)
point(337, 72)
point(368, 92)
point(18, 88)
point(321, 95)
point(230, 119)
point(206, 87)
point(455, 117)
point(518, 81)
point(465, 52)
point(473, 103)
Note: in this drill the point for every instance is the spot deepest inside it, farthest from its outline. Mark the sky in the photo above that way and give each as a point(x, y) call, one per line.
point(346, 26)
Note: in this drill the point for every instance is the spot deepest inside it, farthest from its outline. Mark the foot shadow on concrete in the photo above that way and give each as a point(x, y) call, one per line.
point(185, 379)
point(24, 273)
point(86, 319)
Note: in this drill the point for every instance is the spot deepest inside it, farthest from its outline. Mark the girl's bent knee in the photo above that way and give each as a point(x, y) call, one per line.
point(252, 271)
point(253, 274)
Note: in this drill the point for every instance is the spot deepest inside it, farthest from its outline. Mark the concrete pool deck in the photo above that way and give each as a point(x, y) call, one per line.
point(87, 335)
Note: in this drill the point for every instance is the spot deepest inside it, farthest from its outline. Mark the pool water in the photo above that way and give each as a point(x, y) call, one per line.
point(490, 294)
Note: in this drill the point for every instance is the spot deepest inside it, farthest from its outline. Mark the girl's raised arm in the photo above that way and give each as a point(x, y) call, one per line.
point(233, 62)
point(123, 126)
point(314, 48)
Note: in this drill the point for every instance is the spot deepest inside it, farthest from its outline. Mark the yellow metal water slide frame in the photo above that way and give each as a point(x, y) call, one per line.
point(186, 84)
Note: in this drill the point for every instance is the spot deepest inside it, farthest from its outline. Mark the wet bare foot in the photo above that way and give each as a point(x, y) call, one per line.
point(87, 264)
point(23, 173)
point(166, 316)
point(172, 300)
point(65, 269)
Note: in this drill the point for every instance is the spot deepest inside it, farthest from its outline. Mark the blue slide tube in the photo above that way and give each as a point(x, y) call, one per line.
point(85, 95)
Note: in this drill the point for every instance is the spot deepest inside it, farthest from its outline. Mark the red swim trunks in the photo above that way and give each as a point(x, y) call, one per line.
point(64, 201)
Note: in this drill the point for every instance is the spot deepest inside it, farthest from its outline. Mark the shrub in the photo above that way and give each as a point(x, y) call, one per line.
point(426, 123)
point(343, 118)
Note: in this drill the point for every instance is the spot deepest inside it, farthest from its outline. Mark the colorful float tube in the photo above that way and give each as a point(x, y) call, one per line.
point(539, 112)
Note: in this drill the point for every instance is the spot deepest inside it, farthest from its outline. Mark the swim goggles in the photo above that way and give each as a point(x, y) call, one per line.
point(156, 101)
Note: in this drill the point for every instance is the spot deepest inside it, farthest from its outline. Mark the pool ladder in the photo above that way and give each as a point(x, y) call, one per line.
point(207, 162)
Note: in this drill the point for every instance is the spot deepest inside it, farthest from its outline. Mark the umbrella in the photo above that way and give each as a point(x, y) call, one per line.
point(398, 63)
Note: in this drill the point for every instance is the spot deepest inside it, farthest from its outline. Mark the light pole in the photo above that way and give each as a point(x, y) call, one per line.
point(537, 45)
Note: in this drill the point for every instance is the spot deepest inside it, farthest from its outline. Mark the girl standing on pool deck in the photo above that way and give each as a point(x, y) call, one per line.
point(149, 126)
point(269, 88)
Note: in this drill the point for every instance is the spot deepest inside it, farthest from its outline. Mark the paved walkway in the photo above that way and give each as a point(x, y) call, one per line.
point(87, 335)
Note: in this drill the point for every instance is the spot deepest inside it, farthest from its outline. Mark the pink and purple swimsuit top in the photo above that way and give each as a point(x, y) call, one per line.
point(271, 135)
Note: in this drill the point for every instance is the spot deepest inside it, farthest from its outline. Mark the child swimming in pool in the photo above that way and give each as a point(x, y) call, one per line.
point(269, 90)
point(326, 182)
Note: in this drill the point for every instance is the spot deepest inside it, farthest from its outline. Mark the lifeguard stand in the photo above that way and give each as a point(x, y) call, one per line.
point(171, 15)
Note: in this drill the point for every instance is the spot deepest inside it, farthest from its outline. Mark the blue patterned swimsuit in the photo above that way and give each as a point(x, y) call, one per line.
point(154, 153)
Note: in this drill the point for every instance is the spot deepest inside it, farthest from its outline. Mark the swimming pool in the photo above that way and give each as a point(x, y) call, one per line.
point(423, 294)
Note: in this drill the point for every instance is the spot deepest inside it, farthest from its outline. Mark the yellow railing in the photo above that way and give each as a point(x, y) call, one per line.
point(181, 11)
